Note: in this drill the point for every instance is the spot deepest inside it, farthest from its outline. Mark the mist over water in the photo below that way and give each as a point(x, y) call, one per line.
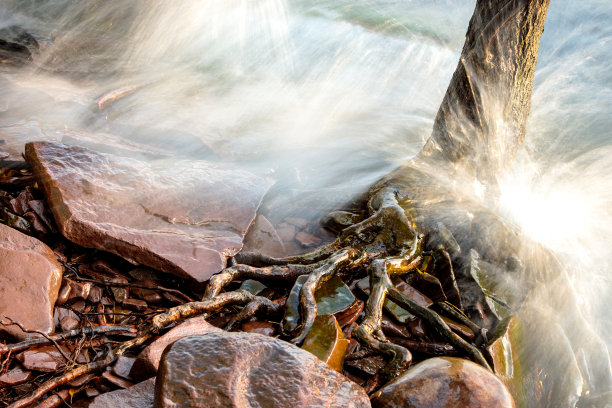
point(328, 96)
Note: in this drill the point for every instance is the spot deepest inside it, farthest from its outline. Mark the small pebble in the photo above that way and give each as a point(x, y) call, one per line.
point(118, 381)
point(135, 304)
point(69, 323)
point(264, 328)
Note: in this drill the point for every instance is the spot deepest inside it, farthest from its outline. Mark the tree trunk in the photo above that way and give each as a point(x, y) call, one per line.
point(482, 119)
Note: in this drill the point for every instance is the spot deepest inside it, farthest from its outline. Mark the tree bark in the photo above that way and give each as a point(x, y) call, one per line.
point(482, 119)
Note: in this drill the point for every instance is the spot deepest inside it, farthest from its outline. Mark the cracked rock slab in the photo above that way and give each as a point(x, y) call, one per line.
point(184, 217)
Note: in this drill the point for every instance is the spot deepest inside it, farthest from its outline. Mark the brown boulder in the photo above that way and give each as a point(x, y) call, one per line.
point(444, 382)
point(30, 278)
point(184, 218)
point(147, 362)
point(249, 370)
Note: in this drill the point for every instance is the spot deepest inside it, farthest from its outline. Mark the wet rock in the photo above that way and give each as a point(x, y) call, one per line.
point(185, 218)
point(39, 228)
point(120, 293)
point(350, 315)
point(367, 366)
point(306, 239)
point(507, 351)
point(39, 207)
point(263, 238)
point(332, 297)
point(137, 396)
point(147, 362)
point(118, 381)
point(95, 294)
point(19, 204)
point(69, 323)
point(61, 313)
point(459, 328)
point(135, 304)
point(82, 380)
point(444, 382)
point(123, 366)
point(15, 376)
point(17, 222)
point(249, 370)
point(392, 329)
point(104, 267)
point(91, 392)
point(29, 282)
point(263, 328)
point(326, 341)
point(46, 359)
point(286, 232)
point(298, 222)
point(72, 291)
point(148, 295)
point(253, 286)
point(153, 298)
point(413, 294)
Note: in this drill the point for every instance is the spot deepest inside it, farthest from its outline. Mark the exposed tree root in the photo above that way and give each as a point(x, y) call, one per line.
point(46, 340)
point(390, 245)
point(387, 244)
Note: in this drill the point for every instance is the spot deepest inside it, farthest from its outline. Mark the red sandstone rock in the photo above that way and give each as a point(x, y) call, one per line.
point(30, 279)
point(147, 362)
point(15, 376)
point(444, 382)
point(46, 359)
point(249, 370)
point(116, 380)
point(186, 218)
point(123, 366)
point(69, 323)
point(72, 291)
point(263, 328)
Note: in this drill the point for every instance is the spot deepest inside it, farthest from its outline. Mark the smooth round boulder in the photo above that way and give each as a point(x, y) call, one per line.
point(444, 382)
point(248, 370)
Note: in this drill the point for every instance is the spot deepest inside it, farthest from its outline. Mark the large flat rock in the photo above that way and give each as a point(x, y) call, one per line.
point(177, 216)
point(246, 370)
point(30, 278)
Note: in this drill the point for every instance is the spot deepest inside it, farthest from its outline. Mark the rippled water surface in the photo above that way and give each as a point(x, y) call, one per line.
point(326, 97)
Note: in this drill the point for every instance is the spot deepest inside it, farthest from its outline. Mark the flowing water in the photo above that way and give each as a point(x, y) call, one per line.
point(327, 96)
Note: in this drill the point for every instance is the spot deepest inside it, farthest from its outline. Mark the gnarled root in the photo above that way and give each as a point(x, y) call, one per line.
point(389, 245)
